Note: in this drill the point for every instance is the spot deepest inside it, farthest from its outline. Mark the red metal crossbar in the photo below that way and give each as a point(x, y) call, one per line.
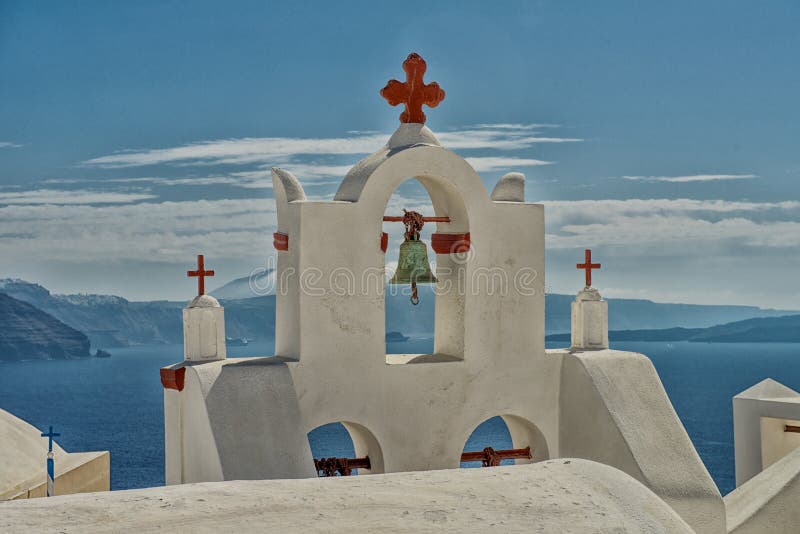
point(393, 218)
point(492, 458)
point(328, 467)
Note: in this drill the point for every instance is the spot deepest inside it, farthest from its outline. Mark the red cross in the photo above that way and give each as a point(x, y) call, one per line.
point(201, 274)
point(413, 92)
point(588, 266)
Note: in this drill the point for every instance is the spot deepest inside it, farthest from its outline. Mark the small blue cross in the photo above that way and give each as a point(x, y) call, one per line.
point(50, 435)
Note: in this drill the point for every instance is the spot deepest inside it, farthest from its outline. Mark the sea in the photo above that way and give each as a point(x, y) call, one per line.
point(116, 403)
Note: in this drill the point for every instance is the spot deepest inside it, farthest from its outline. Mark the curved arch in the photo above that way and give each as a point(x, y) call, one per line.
point(455, 190)
point(450, 271)
point(364, 444)
point(523, 433)
point(453, 185)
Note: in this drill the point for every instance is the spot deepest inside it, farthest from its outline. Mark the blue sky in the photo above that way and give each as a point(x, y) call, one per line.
point(664, 135)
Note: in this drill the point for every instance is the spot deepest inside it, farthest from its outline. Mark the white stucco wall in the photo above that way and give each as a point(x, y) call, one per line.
point(767, 502)
point(775, 441)
point(589, 320)
point(614, 410)
point(759, 438)
point(204, 329)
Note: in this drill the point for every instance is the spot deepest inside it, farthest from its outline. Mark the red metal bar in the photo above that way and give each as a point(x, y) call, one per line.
point(792, 428)
point(490, 457)
point(328, 467)
point(392, 218)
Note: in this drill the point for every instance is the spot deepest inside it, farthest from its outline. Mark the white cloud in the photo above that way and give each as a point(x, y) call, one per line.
point(309, 174)
point(54, 196)
point(672, 224)
point(232, 179)
point(497, 138)
point(279, 150)
point(489, 163)
point(8, 144)
point(692, 178)
point(162, 231)
point(516, 126)
point(310, 171)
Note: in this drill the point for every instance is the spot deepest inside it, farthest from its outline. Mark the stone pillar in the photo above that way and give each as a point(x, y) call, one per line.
point(204, 330)
point(589, 320)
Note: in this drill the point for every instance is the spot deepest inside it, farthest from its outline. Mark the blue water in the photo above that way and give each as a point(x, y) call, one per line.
point(116, 404)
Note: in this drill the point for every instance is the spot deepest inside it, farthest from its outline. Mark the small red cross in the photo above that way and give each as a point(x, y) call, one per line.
point(201, 274)
point(588, 266)
point(413, 92)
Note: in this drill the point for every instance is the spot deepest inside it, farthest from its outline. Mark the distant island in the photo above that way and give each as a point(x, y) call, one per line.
point(784, 329)
point(108, 321)
point(28, 333)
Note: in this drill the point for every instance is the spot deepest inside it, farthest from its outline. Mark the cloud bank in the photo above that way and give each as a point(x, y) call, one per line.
point(692, 178)
point(59, 196)
point(278, 150)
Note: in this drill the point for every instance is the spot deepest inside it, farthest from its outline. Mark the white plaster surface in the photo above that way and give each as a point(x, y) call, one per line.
point(569, 496)
point(614, 410)
point(510, 188)
point(22, 463)
point(769, 502)
point(204, 329)
point(238, 420)
point(775, 441)
point(589, 320)
point(759, 415)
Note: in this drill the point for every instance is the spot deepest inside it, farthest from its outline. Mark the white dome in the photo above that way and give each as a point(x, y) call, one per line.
point(204, 301)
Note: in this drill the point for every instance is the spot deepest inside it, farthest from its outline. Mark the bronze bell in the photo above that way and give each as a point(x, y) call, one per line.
point(412, 264)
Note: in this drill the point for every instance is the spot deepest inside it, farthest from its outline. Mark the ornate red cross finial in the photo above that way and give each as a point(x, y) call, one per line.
point(414, 92)
point(201, 274)
point(588, 266)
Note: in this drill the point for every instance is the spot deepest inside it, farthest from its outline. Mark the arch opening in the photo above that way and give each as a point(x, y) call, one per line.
point(511, 437)
point(492, 432)
point(346, 440)
point(433, 330)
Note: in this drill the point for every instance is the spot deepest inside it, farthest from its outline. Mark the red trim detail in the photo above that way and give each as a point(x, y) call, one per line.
point(173, 378)
point(280, 241)
point(384, 241)
point(450, 243)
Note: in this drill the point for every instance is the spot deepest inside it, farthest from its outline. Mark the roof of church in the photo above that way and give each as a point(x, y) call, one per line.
point(554, 496)
point(22, 461)
point(767, 389)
